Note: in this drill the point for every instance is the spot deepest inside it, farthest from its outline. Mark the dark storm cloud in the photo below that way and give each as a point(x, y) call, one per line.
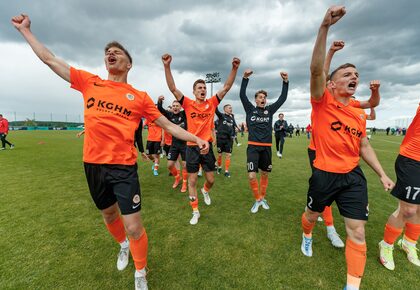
point(382, 39)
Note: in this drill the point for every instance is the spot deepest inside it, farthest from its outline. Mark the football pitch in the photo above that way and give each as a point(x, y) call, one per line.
point(53, 237)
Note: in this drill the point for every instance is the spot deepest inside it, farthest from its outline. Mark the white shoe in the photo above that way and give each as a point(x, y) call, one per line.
point(335, 239)
point(239, 144)
point(411, 251)
point(306, 246)
point(195, 217)
point(386, 255)
point(206, 195)
point(278, 154)
point(140, 281)
point(264, 204)
point(123, 257)
point(256, 206)
point(320, 219)
point(12, 146)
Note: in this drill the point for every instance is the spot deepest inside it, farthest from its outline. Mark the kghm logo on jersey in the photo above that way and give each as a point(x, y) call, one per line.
point(260, 119)
point(199, 115)
point(104, 106)
point(338, 126)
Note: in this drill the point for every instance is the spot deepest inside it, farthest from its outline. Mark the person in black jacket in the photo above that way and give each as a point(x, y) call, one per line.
point(259, 120)
point(178, 147)
point(225, 133)
point(280, 132)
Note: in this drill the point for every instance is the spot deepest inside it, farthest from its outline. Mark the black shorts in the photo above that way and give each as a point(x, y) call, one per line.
point(224, 145)
point(153, 147)
point(348, 190)
point(166, 148)
point(258, 157)
point(110, 183)
point(311, 155)
point(194, 159)
point(175, 151)
point(407, 187)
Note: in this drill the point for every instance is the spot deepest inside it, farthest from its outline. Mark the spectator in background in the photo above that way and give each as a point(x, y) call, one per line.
point(308, 131)
point(387, 130)
point(280, 132)
point(4, 130)
point(297, 130)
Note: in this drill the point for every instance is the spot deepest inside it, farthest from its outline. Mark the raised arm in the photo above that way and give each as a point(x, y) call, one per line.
point(372, 115)
point(242, 94)
point(318, 78)
point(335, 46)
point(167, 59)
point(219, 114)
point(283, 96)
point(160, 107)
point(23, 24)
point(369, 156)
point(231, 78)
point(375, 97)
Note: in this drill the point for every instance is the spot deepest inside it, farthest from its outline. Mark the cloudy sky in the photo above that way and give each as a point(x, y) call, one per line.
point(382, 38)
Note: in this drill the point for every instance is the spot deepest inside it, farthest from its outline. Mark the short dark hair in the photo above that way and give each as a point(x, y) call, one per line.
point(226, 106)
point(118, 45)
point(199, 81)
point(281, 114)
point(176, 101)
point(261, 92)
point(343, 66)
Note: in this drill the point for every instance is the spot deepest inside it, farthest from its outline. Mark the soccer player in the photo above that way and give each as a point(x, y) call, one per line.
point(200, 119)
point(340, 138)
point(259, 120)
point(112, 113)
point(327, 215)
point(407, 191)
point(4, 130)
point(225, 132)
point(153, 144)
point(177, 147)
point(280, 132)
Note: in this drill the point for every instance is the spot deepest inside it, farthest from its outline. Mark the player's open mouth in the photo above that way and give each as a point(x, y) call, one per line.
point(203, 94)
point(112, 60)
point(352, 85)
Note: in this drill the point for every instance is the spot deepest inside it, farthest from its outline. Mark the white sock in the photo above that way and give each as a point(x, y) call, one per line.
point(125, 244)
point(386, 244)
point(351, 287)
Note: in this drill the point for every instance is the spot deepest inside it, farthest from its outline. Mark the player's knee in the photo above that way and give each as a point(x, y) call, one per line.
point(311, 216)
point(252, 176)
point(409, 212)
point(134, 230)
point(357, 233)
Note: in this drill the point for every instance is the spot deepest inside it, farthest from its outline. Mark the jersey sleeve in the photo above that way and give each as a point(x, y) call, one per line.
point(79, 78)
point(244, 99)
point(320, 101)
point(149, 109)
point(185, 102)
point(214, 100)
point(354, 103)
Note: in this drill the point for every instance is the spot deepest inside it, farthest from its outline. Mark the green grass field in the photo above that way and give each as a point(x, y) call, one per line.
point(53, 237)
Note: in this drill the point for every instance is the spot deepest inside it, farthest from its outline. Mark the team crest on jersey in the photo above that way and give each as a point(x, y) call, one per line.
point(136, 198)
point(266, 112)
point(207, 106)
point(130, 97)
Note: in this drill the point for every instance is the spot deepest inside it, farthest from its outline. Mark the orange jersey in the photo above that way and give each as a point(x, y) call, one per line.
point(168, 138)
point(338, 130)
point(200, 117)
point(311, 146)
point(410, 146)
point(112, 113)
point(154, 132)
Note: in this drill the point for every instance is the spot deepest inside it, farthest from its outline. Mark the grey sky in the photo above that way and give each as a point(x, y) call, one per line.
point(382, 40)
